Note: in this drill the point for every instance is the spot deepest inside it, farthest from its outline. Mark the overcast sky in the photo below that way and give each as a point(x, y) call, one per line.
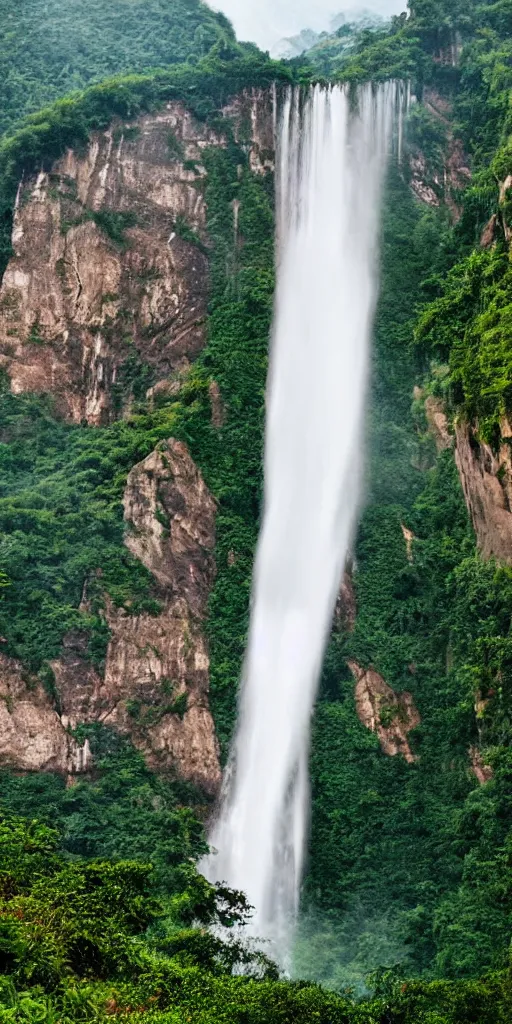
point(266, 21)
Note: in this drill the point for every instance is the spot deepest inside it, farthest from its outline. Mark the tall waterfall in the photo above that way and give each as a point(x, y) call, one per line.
point(331, 165)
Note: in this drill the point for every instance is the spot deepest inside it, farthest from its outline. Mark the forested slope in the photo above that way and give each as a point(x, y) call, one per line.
point(415, 858)
point(48, 48)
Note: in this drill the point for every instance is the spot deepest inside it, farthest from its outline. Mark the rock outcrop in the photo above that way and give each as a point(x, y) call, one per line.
point(253, 117)
point(505, 188)
point(107, 289)
point(155, 686)
point(442, 183)
point(170, 516)
point(391, 716)
point(409, 538)
point(110, 268)
point(346, 606)
point(101, 273)
point(438, 423)
point(498, 224)
point(486, 479)
point(32, 735)
point(482, 771)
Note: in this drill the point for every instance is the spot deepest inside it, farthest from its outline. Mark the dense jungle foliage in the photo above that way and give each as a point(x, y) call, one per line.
point(89, 940)
point(49, 48)
point(413, 864)
point(410, 865)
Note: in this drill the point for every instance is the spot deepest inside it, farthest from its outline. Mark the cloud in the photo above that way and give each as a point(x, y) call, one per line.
point(266, 21)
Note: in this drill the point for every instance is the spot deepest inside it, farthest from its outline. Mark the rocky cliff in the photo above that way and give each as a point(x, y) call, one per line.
point(110, 268)
point(108, 265)
point(155, 686)
point(486, 477)
point(109, 285)
point(391, 716)
point(440, 179)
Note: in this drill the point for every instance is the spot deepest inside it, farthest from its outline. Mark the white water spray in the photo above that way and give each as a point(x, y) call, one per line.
point(331, 165)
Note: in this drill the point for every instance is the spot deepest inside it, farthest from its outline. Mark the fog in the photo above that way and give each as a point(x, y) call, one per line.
point(266, 21)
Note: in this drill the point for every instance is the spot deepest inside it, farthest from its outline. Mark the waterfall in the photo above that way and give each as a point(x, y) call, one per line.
point(331, 165)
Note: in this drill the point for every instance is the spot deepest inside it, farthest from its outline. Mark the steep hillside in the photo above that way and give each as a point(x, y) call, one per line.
point(48, 48)
point(104, 305)
point(412, 854)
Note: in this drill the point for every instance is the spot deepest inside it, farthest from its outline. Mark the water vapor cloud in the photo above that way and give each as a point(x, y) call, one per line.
point(265, 22)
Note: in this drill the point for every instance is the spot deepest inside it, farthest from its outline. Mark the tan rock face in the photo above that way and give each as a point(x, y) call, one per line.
point(409, 539)
point(482, 771)
point(487, 483)
point(346, 606)
point(505, 187)
point(438, 423)
point(156, 679)
point(102, 273)
point(218, 408)
point(170, 516)
point(430, 185)
point(253, 117)
point(391, 716)
point(84, 291)
point(489, 233)
point(420, 184)
point(32, 736)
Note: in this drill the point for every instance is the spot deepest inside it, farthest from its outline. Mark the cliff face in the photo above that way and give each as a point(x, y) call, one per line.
point(155, 686)
point(486, 478)
point(110, 278)
point(110, 270)
point(392, 717)
point(440, 182)
point(102, 273)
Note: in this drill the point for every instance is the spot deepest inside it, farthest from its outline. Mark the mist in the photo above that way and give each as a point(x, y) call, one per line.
point(266, 21)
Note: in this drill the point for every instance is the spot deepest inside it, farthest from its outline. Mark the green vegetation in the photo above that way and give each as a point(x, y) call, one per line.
point(125, 813)
point(49, 48)
point(114, 224)
point(45, 136)
point(83, 939)
point(410, 864)
point(61, 521)
point(423, 46)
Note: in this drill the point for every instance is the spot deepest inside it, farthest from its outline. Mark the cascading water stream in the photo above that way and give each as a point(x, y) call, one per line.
point(331, 165)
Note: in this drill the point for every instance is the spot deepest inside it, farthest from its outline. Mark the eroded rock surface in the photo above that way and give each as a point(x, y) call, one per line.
point(32, 735)
point(110, 268)
point(482, 771)
point(438, 423)
point(441, 183)
point(253, 117)
point(100, 272)
point(156, 681)
point(486, 479)
point(346, 606)
point(391, 716)
point(409, 539)
point(170, 516)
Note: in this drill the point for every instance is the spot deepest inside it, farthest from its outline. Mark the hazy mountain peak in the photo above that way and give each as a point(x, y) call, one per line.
point(353, 18)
